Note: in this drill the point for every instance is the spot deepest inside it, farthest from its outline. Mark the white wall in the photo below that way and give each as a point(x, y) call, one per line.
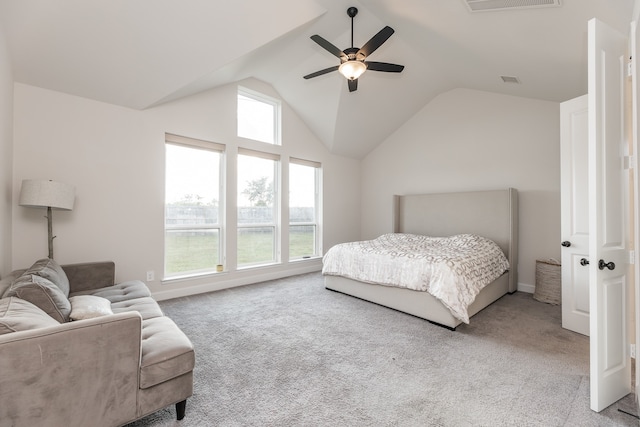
point(467, 140)
point(6, 155)
point(114, 156)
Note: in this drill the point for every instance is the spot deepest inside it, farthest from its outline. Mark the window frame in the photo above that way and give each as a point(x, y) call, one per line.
point(317, 244)
point(276, 225)
point(197, 144)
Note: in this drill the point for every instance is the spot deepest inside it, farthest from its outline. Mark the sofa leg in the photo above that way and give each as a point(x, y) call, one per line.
point(180, 409)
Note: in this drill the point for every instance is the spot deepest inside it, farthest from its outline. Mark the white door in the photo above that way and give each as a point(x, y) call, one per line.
point(608, 232)
point(574, 189)
point(635, 120)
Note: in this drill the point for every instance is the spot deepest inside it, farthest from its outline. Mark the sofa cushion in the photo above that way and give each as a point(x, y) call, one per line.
point(42, 293)
point(50, 270)
point(6, 281)
point(88, 307)
point(147, 307)
point(120, 292)
point(166, 352)
point(19, 315)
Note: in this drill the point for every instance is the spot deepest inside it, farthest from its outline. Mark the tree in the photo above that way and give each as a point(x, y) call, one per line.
point(259, 192)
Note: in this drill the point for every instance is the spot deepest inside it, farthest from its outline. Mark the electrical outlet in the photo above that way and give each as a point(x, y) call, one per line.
point(150, 276)
point(632, 350)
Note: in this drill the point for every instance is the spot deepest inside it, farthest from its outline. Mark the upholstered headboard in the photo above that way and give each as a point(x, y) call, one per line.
point(492, 214)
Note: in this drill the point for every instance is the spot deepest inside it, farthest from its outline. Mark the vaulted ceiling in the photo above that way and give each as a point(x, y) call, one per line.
point(143, 53)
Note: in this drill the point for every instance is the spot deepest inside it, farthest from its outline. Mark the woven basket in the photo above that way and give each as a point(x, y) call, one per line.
point(548, 279)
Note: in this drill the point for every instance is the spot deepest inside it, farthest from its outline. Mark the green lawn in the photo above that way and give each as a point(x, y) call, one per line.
point(191, 251)
point(301, 241)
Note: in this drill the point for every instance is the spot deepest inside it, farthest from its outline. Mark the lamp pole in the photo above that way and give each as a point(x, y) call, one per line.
point(50, 231)
point(36, 193)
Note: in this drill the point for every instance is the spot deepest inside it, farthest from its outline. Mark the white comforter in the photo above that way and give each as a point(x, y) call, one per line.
point(452, 269)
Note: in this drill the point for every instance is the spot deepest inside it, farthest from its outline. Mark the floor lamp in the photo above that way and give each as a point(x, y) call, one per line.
point(48, 194)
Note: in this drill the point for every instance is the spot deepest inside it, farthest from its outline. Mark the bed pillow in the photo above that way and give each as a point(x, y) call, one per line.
point(43, 294)
point(88, 307)
point(19, 315)
point(50, 270)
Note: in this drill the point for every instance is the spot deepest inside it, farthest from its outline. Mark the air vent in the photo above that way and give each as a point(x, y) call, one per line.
point(493, 5)
point(510, 79)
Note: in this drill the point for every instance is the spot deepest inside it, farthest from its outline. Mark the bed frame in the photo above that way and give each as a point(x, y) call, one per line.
point(492, 214)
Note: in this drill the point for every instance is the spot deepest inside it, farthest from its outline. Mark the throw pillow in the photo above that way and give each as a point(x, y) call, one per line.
point(6, 281)
point(51, 270)
point(19, 315)
point(88, 307)
point(43, 294)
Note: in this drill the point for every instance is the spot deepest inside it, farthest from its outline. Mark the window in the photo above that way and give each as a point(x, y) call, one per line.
point(257, 208)
point(258, 117)
point(198, 198)
point(303, 209)
point(192, 206)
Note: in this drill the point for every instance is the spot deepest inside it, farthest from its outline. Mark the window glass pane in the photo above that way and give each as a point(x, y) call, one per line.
point(256, 207)
point(192, 187)
point(192, 224)
point(302, 241)
point(191, 250)
point(302, 211)
point(256, 245)
point(256, 119)
point(302, 193)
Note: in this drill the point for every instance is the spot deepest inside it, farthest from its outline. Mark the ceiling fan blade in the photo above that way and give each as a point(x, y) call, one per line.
point(353, 85)
point(376, 41)
point(384, 66)
point(329, 47)
point(321, 72)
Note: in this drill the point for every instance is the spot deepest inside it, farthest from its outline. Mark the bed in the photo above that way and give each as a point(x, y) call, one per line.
point(492, 214)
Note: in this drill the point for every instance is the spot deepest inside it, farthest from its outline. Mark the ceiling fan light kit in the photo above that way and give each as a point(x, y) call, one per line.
point(352, 60)
point(352, 69)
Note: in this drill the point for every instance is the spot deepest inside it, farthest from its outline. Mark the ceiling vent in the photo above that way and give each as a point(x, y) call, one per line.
point(493, 5)
point(510, 79)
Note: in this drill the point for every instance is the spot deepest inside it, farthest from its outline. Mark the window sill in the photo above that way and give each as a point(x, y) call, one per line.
point(181, 277)
point(306, 259)
point(220, 274)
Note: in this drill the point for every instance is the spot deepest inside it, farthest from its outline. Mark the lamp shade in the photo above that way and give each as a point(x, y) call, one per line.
point(37, 193)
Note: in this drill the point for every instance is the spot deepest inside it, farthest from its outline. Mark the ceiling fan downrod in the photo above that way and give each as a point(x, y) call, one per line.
point(352, 12)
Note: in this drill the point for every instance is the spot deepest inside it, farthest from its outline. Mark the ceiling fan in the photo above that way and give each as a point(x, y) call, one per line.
point(352, 59)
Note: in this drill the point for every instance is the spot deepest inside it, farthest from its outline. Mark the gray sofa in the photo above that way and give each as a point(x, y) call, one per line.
point(107, 369)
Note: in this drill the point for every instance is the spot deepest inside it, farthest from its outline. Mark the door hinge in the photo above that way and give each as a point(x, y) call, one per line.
point(632, 257)
point(629, 67)
point(630, 162)
point(632, 351)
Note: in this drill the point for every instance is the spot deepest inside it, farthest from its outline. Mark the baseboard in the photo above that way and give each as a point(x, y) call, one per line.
point(524, 287)
point(239, 278)
point(263, 276)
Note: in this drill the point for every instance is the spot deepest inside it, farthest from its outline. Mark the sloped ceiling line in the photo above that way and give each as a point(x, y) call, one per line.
point(143, 53)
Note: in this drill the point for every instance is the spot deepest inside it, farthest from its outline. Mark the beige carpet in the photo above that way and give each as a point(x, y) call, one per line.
point(291, 353)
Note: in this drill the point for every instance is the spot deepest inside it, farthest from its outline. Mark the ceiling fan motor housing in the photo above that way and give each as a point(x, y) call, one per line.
point(351, 53)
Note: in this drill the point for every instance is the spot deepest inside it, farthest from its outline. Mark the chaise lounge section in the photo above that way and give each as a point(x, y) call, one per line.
point(122, 360)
